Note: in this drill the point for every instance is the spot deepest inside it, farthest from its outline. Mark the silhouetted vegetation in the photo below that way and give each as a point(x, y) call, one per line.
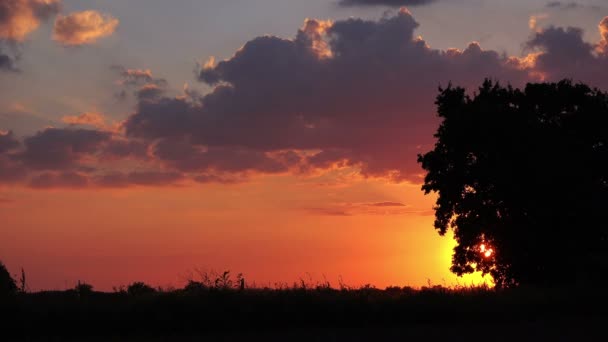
point(522, 179)
point(7, 283)
point(140, 289)
point(304, 311)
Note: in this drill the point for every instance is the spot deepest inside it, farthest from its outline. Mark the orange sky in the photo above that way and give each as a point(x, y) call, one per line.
point(290, 150)
point(273, 230)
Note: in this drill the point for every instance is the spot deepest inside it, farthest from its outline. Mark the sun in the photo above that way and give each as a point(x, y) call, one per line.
point(486, 251)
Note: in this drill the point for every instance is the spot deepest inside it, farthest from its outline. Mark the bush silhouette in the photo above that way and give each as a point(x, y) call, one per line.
point(7, 283)
point(83, 289)
point(522, 179)
point(139, 289)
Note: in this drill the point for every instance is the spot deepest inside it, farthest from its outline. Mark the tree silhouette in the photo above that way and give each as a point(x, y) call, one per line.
point(7, 283)
point(522, 179)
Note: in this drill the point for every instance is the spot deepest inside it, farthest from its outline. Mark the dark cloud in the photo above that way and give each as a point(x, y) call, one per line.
point(11, 172)
point(49, 180)
point(185, 156)
point(353, 93)
point(360, 93)
point(7, 62)
point(147, 178)
point(8, 142)
point(562, 53)
point(60, 149)
point(392, 3)
point(125, 149)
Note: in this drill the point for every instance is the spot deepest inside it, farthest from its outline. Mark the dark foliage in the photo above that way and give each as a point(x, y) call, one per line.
point(83, 289)
point(7, 283)
point(140, 289)
point(524, 173)
point(232, 314)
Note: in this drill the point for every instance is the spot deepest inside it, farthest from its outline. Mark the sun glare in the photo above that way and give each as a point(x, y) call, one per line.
point(485, 250)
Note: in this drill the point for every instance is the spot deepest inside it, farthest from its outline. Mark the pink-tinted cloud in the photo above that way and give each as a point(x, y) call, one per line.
point(18, 18)
point(82, 28)
point(348, 94)
point(367, 102)
point(86, 119)
point(140, 82)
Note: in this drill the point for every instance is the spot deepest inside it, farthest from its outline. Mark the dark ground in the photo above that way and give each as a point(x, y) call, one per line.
point(320, 314)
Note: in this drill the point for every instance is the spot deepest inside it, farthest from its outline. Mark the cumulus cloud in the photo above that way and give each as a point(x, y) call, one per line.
point(366, 101)
point(82, 28)
point(392, 3)
point(603, 45)
point(18, 18)
point(562, 53)
point(60, 149)
point(354, 94)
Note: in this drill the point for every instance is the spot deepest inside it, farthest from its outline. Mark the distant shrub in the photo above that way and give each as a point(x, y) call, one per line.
point(139, 289)
point(194, 286)
point(7, 283)
point(83, 289)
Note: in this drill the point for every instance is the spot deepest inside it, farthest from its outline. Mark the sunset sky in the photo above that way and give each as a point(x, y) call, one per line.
point(142, 139)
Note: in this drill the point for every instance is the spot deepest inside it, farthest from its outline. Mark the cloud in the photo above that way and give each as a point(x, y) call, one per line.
point(392, 3)
point(8, 59)
point(564, 5)
point(49, 180)
point(558, 53)
point(61, 149)
point(86, 119)
point(83, 28)
point(535, 19)
point(148, 178)
point(353, 93)
point(8, 142)
point(18, 18)
point(140, 82)
point(603, 45)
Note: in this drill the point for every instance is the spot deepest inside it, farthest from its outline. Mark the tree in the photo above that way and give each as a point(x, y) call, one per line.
point(522, 180)
point(7, 283)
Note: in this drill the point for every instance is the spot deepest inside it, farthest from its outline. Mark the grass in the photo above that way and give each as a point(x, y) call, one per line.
point(222, 310)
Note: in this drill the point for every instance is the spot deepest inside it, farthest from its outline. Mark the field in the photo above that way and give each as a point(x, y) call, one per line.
point(308, 314)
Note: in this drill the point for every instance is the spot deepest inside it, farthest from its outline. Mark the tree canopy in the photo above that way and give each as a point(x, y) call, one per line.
point(522, 179)
point(7, 283)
